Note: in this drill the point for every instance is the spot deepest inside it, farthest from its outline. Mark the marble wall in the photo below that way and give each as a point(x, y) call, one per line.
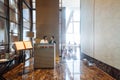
point(103, 66)
point(100, 28)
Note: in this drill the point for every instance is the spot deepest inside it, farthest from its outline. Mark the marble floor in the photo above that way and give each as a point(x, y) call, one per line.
point(68, 67)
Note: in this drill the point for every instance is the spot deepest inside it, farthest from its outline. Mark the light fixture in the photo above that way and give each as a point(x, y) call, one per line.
point(30, 34)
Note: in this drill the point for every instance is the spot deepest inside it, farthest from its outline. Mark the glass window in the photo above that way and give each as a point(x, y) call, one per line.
point(76, 15)
point(26, 21)
point(26, 12)
point(2, 9)
point(2, 1)
point(28, 2)
point(77, 27)
point(13, 16)
point(70, 28)
point(2, 30)
point(13, 11)
point(34, 30)
point(34, 16)
point(13, 5)
point(26, 16)
point(14, 28)
point(14, 34)
point(26, 24)
point(33, 0)
point(60, 3)
point(3, 36)
point(34, 5)
point(25, 30)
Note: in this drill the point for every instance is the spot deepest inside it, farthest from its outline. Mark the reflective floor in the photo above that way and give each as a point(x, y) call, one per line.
point(68, 67)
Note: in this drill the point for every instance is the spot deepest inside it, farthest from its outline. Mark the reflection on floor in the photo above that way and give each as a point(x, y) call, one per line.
point(67, 68)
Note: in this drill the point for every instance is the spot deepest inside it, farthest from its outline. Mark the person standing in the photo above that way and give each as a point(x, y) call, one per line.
point(44, 40)
point(52, 40)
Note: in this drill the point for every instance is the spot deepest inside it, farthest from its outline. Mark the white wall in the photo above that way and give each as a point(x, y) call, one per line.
point(105, 28)
point(87, 26)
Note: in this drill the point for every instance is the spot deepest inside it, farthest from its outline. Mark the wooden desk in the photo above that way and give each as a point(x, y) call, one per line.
point(44, 55)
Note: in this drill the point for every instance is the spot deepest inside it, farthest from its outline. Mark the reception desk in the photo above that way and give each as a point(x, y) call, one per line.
point(44, 55)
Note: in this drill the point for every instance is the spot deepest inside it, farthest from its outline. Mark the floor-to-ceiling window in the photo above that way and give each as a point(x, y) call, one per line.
point(73, 26)
point(29, 18)
point(14, 15)
point(3, 27)
point(34, 17)
point(16, 20)
point(70, 24)
point(70, 36)
point(26, 20)
point(70, 21)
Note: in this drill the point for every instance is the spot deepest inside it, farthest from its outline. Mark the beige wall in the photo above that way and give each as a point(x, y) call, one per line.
point(105, 30)
point(47, 17)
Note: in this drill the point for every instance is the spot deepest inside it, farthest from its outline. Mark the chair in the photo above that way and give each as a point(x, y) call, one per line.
point(4, 67)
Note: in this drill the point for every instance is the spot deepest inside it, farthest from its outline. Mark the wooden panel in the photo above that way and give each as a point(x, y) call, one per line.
point(44, 56)
point(47, 19)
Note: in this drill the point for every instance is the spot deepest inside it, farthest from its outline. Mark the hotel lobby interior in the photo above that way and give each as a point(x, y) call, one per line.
point(85, 33)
